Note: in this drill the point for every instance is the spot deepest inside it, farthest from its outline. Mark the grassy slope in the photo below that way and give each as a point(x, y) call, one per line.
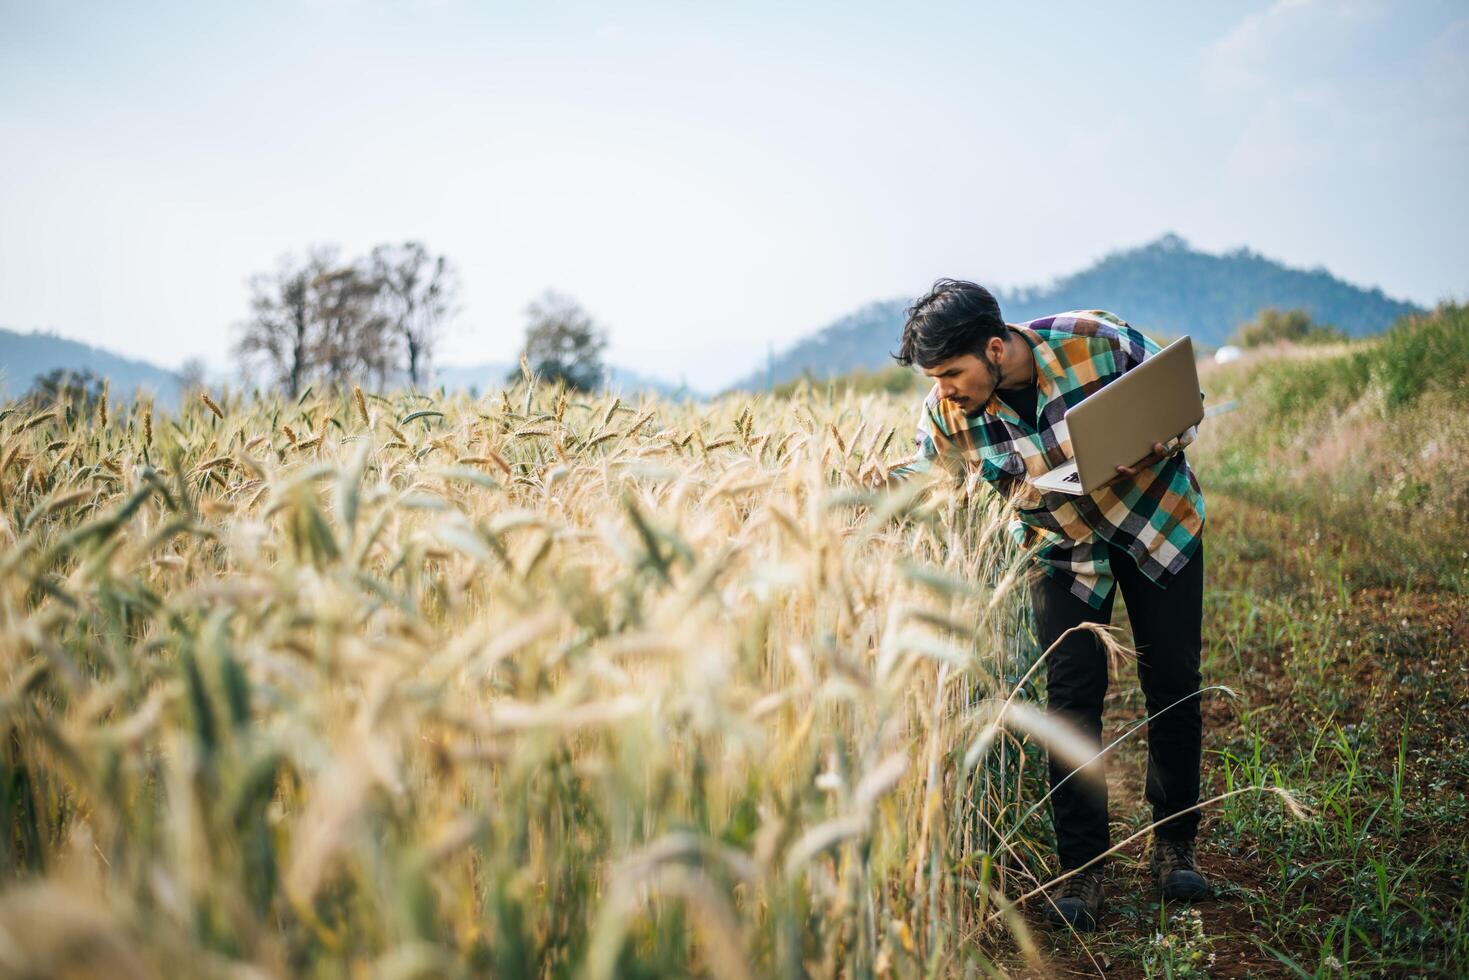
point(1336, 608)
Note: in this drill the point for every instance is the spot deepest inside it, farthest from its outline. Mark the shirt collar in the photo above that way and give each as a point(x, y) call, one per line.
point(1048, 370)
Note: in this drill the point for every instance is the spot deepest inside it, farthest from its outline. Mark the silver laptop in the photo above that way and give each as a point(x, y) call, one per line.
point(1118, 424)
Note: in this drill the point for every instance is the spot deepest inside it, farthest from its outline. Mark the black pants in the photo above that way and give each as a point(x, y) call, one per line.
point(1167, 626)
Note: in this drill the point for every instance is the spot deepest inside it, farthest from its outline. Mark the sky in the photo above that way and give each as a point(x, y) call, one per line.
point(709, 181)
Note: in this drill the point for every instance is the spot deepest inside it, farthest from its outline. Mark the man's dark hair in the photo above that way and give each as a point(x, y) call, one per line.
point(954, 317)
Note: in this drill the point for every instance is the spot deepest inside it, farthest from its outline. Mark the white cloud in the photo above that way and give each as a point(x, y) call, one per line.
point(1306, 82)
point(1444, 70)
point(1294, 40)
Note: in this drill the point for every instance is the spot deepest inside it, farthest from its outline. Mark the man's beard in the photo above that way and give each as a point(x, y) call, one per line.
point(994, 370)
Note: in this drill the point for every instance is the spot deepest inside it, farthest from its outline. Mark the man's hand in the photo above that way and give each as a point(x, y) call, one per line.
point(1160, 452)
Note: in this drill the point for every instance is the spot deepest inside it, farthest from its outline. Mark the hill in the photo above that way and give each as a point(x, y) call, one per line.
point(1164, 287)
point(25, 355)
point(483, 377)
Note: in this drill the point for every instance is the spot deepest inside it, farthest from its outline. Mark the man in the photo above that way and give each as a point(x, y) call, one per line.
point(996, 409)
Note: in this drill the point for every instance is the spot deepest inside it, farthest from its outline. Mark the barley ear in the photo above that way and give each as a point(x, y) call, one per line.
point(361, 405)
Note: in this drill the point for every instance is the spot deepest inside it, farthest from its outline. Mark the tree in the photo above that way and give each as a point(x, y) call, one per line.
point(319, 320)
point(1272, 326)
point(282, 326)
point(79, 387)
point(416, 293)
point(563, 344)
point(192, 374)
point(353, 339)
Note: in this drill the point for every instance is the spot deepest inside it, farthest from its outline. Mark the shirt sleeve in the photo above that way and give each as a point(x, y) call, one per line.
point(1019, 531)
point(931, 445)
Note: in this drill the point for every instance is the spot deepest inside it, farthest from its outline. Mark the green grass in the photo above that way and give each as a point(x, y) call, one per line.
point(1371, 881)
point(1419, 355)
point(1425, 353)
point(1365, 436)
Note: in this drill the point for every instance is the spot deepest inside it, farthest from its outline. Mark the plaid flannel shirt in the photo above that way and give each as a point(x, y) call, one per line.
point(1157, 516)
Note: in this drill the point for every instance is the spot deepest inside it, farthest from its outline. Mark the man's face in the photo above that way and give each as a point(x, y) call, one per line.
point(967, 380)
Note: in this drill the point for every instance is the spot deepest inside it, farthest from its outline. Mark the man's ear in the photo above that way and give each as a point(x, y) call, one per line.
point(995, 346)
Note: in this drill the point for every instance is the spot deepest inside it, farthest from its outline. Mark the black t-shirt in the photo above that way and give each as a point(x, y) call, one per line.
point(1022, 400)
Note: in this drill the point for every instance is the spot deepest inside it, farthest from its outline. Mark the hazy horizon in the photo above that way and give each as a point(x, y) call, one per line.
point(706, 182)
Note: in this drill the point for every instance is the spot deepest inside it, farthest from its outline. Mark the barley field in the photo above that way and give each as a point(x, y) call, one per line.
point(537, 685)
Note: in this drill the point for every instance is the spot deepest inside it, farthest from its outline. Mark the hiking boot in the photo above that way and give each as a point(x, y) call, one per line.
point(1078, 903)
point(1178, 876)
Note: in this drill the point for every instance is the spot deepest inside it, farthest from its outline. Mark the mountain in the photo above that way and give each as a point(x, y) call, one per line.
point(23, 356)
point(472, 377)
point(631, 383)
point(483, 377)
point(1164, 287)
